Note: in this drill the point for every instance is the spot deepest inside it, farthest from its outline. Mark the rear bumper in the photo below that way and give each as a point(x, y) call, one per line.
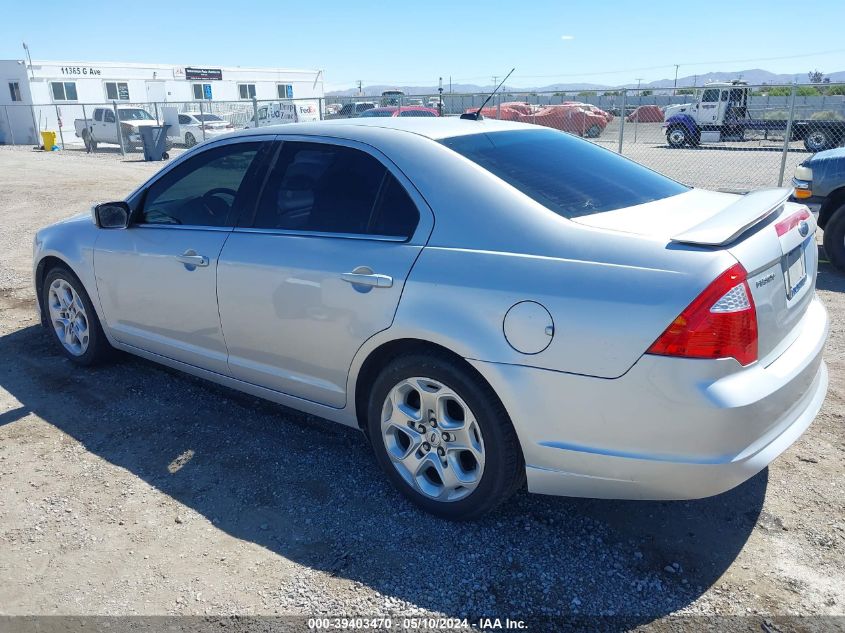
point(668, 429)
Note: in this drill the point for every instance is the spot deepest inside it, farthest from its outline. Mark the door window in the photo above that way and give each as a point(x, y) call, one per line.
point(184, 119)
point(202, 191)
point(98, 114)
point(711, 95)
point(108, 116)
point(334, 189)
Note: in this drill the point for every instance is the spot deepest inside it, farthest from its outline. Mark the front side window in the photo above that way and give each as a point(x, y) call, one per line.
point(134, 114)
point(15, 90)
point(63, 90)
point(246, 91)
point(711, 95)
point(108, 116)
point(334, 189)
point(117, 91)
point(566, 174)
point(202, 191)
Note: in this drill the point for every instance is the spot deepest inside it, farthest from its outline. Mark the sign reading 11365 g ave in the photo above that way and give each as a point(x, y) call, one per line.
point(80, 70)
point(204, 73)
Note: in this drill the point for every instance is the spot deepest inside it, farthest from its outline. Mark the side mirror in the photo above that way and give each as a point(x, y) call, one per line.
point(112, 215)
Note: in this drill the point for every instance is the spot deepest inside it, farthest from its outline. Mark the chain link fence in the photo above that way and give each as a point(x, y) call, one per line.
point(728, 136)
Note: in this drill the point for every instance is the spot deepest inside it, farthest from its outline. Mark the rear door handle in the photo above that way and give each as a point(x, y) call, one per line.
point(360, 278)
point(190, 258)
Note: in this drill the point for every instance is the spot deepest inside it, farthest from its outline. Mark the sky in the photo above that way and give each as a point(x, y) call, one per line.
point(413, 43)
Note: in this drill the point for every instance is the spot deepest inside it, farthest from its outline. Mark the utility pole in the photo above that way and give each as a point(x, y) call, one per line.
point(675, 85)
point(495, 80)
point(360, 93)
point(440, 90)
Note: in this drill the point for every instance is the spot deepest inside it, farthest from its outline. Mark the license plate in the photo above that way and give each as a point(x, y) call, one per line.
point(796, 271)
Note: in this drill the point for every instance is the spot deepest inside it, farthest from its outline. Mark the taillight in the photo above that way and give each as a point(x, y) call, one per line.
point(720, 323)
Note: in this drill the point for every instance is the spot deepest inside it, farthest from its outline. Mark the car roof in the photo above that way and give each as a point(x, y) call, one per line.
point(435, 128)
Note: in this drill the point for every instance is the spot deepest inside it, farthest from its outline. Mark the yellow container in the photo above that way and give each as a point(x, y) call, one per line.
point(48, 139)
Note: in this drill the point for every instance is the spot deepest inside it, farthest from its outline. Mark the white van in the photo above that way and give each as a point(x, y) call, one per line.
point(279, 112)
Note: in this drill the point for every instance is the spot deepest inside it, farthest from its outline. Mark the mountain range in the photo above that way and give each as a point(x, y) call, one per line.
point(754, 76)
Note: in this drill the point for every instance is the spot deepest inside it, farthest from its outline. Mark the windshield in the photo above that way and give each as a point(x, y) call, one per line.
point(134, 114)
point(570, 176)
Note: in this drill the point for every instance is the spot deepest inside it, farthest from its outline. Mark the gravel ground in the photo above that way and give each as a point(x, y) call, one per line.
point(133, 489)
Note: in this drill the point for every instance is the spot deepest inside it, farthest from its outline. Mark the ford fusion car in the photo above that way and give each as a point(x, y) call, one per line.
point(490, 302)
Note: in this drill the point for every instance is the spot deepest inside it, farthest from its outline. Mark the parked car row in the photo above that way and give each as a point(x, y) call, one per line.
point(582, 119)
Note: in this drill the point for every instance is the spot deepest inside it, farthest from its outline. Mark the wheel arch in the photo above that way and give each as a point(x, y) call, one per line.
point(44, 266)
point(831, 204)
point(381, 355)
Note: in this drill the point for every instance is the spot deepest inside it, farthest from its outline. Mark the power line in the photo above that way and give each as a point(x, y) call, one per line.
point(616, 72)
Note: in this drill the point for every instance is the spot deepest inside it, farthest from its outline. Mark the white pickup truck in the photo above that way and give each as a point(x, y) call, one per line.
point(102, 128)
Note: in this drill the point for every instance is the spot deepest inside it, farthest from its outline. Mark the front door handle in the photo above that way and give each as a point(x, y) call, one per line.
point(363, 276)
point(191, 258)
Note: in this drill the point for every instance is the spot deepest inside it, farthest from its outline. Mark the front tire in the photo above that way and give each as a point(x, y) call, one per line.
point(442, 437)
point(71, 318)
point(677, 136)
point(834, 238)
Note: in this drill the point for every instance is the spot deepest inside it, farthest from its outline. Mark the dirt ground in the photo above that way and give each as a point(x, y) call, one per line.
point(132, 489)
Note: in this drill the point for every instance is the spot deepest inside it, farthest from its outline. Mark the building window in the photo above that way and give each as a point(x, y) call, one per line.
point(202, 91)
point(246, 91)
point(15, 89)
point(117, 91)
point(284, 91)
point(63, 90)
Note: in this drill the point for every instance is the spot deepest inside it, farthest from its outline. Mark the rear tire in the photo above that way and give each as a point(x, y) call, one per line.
point(834, 238)
point(71, 319)
point(818, 141)
point(407, 439)
point(90, 144)
point(593, 132)
point(190, 141)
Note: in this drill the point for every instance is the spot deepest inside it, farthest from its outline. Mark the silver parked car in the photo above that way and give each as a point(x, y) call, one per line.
point(488, 301)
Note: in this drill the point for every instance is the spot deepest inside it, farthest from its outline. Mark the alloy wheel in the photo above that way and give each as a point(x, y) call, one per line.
point(68, 317)
point(432, 439)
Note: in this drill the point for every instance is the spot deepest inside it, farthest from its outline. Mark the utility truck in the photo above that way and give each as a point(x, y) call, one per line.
point(721, 114)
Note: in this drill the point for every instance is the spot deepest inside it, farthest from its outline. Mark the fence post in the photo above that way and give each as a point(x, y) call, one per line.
point(498, 106)
point(89, 146)
point(9, 123)
point(787, 137)
point(35, 124)
point(59, 124)
point(255, 111)
point(117, 129)
point(155, 105)
point(320, 106)
point(202, 122)
point(622, 120)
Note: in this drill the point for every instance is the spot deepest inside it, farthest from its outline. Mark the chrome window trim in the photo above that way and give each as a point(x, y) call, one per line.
point(343, 236)
point(182, 227)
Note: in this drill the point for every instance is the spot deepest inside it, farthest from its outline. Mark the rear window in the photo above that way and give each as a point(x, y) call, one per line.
point(570, 176)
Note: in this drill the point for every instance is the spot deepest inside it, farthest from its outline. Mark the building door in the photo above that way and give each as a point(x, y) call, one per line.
point(156, 92)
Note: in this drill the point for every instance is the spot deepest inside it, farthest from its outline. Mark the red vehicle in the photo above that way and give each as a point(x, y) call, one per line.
point(391, 111)
point(573, 117)
point(646, 114)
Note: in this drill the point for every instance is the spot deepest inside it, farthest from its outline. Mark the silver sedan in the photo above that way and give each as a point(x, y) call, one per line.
point(489, 302)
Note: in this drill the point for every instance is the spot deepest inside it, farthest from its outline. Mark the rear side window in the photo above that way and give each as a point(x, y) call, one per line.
point(324, 188)
point(570, 176)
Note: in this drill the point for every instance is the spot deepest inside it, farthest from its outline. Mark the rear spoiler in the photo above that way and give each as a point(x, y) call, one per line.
point(735, 219)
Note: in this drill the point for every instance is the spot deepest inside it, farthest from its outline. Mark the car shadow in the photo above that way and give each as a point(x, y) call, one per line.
point(310, 491)
point(829, 278)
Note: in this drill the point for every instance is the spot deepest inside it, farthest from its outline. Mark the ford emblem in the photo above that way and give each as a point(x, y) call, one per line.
point(803, 228)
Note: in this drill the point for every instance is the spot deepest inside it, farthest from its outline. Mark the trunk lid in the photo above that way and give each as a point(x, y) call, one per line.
point(773, 239)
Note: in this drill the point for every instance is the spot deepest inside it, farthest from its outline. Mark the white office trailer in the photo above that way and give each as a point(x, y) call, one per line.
point(49, 95)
